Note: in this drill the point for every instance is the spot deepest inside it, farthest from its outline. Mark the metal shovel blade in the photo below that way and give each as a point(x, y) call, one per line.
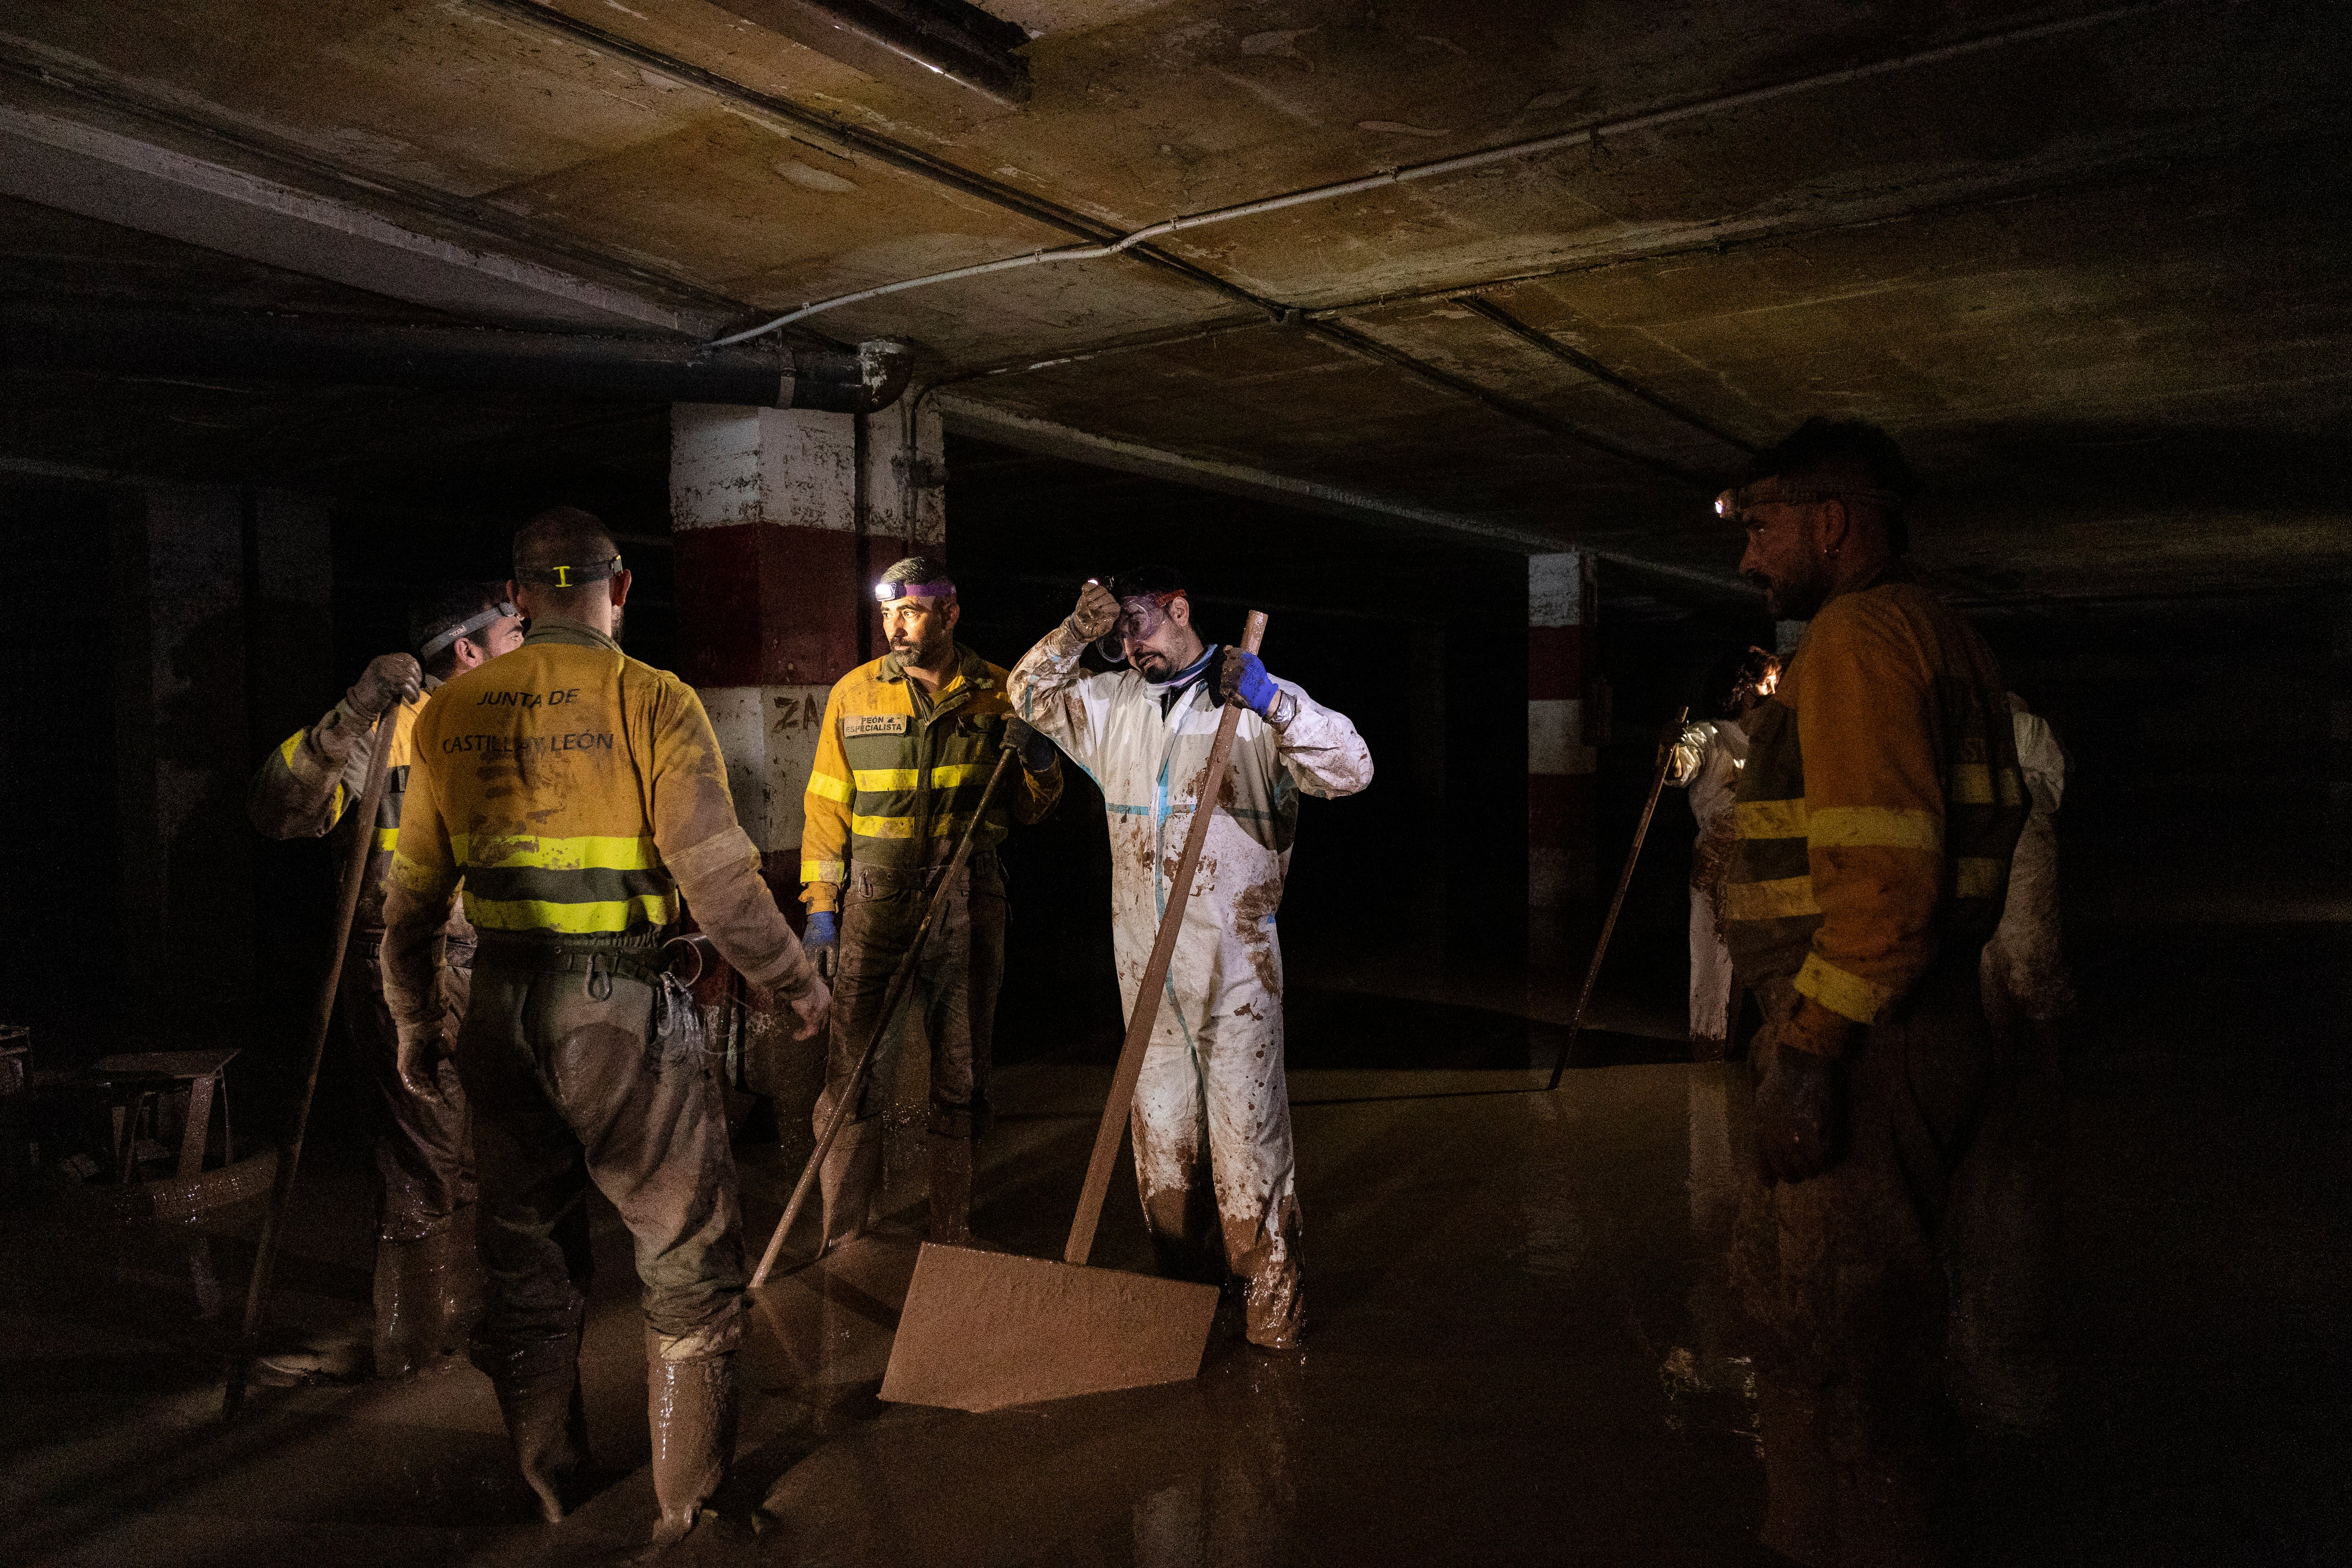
point(985, 1330)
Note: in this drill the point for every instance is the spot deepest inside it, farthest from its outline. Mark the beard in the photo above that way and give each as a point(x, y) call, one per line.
point(1793, 596)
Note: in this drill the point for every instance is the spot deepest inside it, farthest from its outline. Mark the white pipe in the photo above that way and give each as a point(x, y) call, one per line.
point(1590, 135)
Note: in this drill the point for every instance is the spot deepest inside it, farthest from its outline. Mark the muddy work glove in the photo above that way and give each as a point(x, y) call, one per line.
point(420, 1049)
point(391, 677)
point(1097, 612)
point(1800, 1105)
point(822, 943)
point(1242, 682)
point(1036, 752)
point(809, 1004)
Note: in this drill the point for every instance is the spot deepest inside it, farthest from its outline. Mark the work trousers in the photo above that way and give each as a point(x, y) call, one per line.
point(570, 1086)
point(1842, 1281)
point(951, 1005)
point(424, 1164)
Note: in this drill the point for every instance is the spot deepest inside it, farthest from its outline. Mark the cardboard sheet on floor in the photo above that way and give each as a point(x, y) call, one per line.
point(985, 1330)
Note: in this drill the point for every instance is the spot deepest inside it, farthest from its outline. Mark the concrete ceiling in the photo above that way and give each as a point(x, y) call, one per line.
point(2088, 264)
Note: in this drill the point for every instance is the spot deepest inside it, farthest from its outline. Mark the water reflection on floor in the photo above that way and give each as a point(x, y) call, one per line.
point(1520, 1350)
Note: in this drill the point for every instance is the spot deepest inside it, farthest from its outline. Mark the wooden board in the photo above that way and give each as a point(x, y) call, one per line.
point(985, 1330)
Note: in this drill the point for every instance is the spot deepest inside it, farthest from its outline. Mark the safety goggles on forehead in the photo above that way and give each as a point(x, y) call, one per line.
point(433, 648)
point(1140, 616)
point(1734, 504)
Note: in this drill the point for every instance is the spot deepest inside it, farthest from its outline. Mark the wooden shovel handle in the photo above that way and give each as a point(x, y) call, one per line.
point(1155, 976)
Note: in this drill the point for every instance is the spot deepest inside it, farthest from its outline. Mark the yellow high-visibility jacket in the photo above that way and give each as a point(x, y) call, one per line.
point(899, 773)
point(1878, 810)
point(302, 789)
point(579, 792)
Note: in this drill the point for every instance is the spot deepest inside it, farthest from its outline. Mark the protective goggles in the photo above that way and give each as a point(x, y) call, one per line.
point(1140, 616)
point(433, 648)
point(1733, 505)
point(570, 576)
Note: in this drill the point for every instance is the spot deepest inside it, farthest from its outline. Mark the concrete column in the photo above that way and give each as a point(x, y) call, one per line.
point(181, 760)
point(1562, 604)
point(782, 518)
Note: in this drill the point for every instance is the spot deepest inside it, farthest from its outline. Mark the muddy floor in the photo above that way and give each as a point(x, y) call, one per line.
point(1517, 1354)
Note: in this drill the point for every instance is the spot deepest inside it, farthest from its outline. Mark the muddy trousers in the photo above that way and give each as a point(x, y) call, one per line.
point(570, 1087)
point(1842, 1284)
point(950, 1011)
point(1214, 1160)
point(428, 1284)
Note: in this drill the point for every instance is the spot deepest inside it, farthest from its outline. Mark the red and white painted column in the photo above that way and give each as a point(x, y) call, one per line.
point(783, 518)
point(1562, 602)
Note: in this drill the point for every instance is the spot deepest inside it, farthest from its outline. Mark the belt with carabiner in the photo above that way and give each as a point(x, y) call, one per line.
point(636, 955)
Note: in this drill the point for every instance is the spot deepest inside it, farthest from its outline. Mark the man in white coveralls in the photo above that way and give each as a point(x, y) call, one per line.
point(1211, 1090)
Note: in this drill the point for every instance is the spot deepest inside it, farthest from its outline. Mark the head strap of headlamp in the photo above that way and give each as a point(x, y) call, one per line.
point(1734, 502)
point(937, 588)
point(569, 576)
point(441, 640)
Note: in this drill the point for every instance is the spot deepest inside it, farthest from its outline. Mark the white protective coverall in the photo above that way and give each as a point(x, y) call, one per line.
point(2024, 965)
point(1212, 1079)
point(1706, 762)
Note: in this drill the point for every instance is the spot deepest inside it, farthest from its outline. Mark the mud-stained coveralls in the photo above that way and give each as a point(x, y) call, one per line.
point(1212, 1079)
point(1706, 762)
point(2025, 972)
point(423, 1168)
point(579, 792)
point(898, 774)
point(1876, 816)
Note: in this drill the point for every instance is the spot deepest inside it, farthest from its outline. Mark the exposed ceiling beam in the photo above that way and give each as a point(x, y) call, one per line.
point(118, 179)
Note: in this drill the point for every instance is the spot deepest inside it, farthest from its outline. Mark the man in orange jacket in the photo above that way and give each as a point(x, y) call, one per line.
point(1875, 819)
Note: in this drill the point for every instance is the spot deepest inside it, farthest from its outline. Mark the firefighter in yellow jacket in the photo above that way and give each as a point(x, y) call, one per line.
point(424, 1274)
point(1876, 820)
point(906, 747)
point(579, 794)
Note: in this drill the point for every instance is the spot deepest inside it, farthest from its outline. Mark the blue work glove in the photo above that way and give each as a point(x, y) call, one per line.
point(822, 943)
point(1242, 682)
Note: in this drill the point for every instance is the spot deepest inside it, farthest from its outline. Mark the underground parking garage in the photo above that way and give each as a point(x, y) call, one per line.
point(1460, 1214)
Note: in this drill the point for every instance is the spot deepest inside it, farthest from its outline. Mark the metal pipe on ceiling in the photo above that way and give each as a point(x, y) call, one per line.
point(141, 341)
point(1590, 135)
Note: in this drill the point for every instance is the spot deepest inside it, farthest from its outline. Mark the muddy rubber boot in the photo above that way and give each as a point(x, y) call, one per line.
point(849, 1181)
point(951, 1182)
point(461, 1283)
point(693, 1405)
point(408, 1288)
point(539, 1394)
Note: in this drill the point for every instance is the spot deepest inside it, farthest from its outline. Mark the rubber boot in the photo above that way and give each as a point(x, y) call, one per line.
point(539, 1394)
point(849, 1181)
point(693, 1405)
point(408, 1305)
point(461, 1283)
point(951, 1182)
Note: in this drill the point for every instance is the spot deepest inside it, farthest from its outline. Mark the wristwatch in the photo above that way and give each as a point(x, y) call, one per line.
point(1286, 708)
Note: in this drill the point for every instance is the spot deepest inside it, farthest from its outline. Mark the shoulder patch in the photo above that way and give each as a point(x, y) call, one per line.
point(874, 725)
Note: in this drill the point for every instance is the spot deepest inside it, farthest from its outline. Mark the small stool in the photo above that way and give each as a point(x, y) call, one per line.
point(144, 1076)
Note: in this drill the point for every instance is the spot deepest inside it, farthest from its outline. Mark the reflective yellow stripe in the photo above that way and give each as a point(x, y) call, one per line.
point(947, 775)
point(418, 877)
point(1876, 827)
point(1971, 783)
point(824, 786)
point(286, 752)
point(1768, 818)
point(1847, 995)
point(944, 824)
point(824, 871)
point(1769, 901)
point(879, 781)
point(1974, 876)
point(590, 853)
point(385, 839)
point(574, 920)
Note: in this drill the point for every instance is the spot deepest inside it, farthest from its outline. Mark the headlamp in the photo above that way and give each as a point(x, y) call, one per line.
point(432, 647)
point(937, 588)
point(1733, 504)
